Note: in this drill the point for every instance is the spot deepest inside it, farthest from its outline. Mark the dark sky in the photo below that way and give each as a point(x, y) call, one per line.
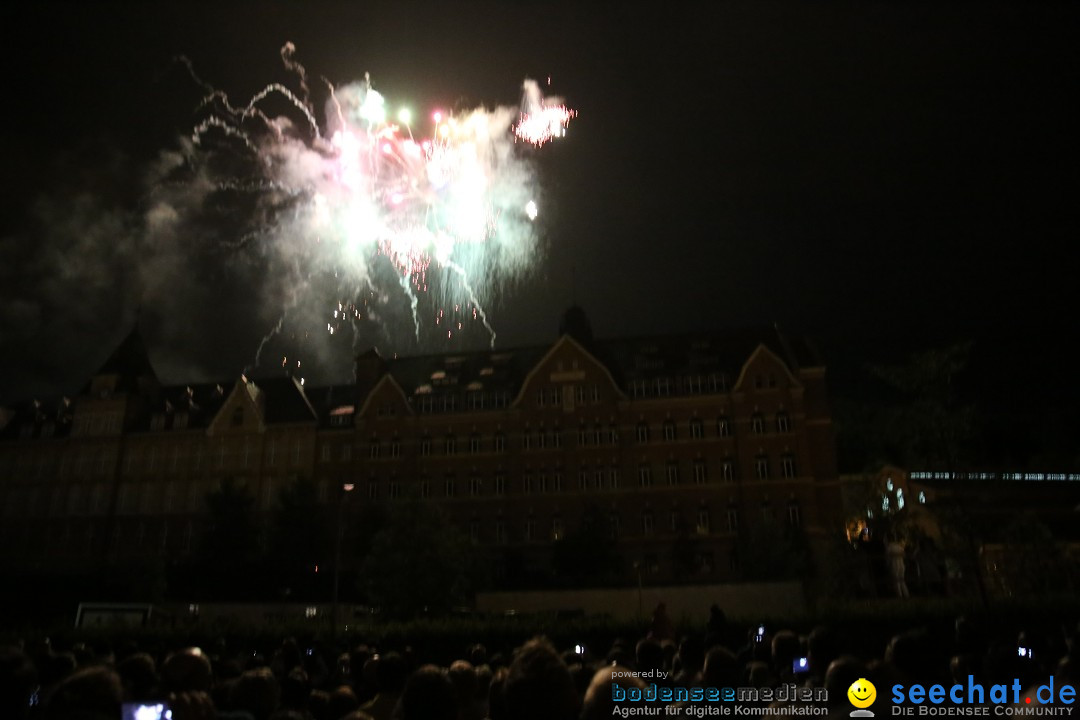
point(879, 176)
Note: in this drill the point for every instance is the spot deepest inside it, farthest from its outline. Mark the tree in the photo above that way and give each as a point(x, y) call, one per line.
point(228, 564)
point(417, 563)
point(771, 551)
point(931, 426)
point(301, 541)
point(586, 555)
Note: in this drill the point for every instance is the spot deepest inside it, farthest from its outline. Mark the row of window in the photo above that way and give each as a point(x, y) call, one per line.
point(133, 497)
point(596, 479)
point(594, 436)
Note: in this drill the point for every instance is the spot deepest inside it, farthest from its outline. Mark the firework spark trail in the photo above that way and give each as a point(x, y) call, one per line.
point(472, 297)
point(267, 338)
point(461, 197)
point(414, 302)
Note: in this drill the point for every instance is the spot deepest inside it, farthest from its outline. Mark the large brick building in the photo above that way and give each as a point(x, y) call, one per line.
point(694, 439)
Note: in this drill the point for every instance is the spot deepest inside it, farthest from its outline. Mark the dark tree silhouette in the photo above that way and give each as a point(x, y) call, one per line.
point(418, 563)
point(301, 542)
point(587, 554)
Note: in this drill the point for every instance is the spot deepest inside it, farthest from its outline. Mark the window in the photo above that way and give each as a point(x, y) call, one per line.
point(526, 440)
point(450, 486)
point(583, 480)
point(500, 484)
point(425, 489)
point(766, 511)
point(373, 490)
point(672, 473)
point(783, 422)
point(613, 435)
point(395, 489)
point(451, 445)
point(703, 522)
point(644, 475)
point(556, 397)
point(526, 483)
point(474, 443)
point(701, 472)
point(475, 400)
point(761, 467)
point(643, 432)
point(727, 471)
point(613, 478)
point(500, 532)
point(787, 466)
point(530, 530)
point(613, 526)
point(373, 448)
point(757, 424)
point(732, 520)
point(475, 485)
point(582, 437)
point(579, 394)
point(723, 427)
point(500, 442)
point(324, 453)
point(598, 479)
point(425, 445)
point(540, 397)
point(557, 481)
point(542, 479)
point(541, 439)
point(793, 514)
point(395, 448)
point(663, 387)
point(346, 452)
point(637, 389)
point(697, 429)
point(669, 431)
point(474, 532)
point(597, 435)
point(595, 394)
point(647, 523)
point(556, 438)
point(675, 520)
point(556, 529)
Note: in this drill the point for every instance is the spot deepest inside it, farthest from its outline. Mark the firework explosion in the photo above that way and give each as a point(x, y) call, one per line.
point(366, 214)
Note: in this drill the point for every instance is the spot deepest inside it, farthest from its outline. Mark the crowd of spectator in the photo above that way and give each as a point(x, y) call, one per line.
point(536, 681)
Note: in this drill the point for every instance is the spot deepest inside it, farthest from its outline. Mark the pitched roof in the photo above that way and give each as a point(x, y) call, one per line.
point(130, 361)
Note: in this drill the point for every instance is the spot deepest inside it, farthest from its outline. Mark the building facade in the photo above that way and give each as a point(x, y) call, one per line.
point(687, 444)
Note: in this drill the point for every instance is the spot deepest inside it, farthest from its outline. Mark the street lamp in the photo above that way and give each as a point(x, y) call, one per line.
point(346, 488)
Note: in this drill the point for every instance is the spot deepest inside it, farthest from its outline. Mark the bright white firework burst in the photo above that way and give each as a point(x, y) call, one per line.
point(458, 200)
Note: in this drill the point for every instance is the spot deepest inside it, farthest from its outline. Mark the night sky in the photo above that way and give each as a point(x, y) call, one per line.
point(882, 177)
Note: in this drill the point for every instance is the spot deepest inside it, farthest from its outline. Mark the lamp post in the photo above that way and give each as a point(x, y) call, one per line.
point(339, 532)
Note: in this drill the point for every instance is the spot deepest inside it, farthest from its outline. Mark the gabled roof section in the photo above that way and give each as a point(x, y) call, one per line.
point(385, 380)
point(245, 398)
point(559, 344)
point(763, 351)
point(699, 353)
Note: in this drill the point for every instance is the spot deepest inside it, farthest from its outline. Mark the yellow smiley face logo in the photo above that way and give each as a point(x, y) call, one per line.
point(862, 693)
